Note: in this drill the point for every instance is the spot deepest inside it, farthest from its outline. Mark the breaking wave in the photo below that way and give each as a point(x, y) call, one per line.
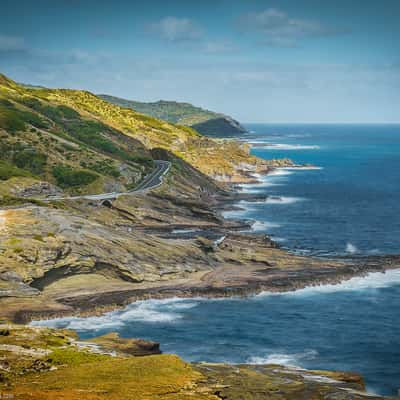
point(373, 280)
point(282, 200)
point(149, 311)
point(283, 146)
point(259, 226)
point(293, 360)
point(350, 248)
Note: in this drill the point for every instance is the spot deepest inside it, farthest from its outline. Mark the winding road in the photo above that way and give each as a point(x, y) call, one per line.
point(151, 181)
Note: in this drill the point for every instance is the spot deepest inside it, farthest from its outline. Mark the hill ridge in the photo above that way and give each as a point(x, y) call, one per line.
point(203, 120)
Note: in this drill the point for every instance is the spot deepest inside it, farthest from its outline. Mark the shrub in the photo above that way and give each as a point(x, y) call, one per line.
point(13, 120)
point(146, 161)
point(56, 113)
point(67, 176)
point(105, 168)
point(8, 170)
point(10, 120)
point(6, 103)
point(68, 112)
point(31, 160)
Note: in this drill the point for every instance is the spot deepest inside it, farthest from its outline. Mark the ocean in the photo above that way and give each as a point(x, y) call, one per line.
point(350, 205)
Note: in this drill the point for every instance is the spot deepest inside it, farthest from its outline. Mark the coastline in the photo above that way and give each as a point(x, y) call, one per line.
point(213, 284)
point(269, 270)
point(122, 300)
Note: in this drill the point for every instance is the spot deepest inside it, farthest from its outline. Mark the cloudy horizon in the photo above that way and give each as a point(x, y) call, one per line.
point(259, 61)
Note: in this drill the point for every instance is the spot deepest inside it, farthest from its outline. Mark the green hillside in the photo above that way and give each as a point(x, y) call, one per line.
point(205, 121)
point(81, 143)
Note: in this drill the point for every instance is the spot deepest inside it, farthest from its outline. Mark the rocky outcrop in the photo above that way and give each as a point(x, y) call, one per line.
point(112, 342)
point(220, 127)
point(41, 363)
point(38, 189)
point(259, 382)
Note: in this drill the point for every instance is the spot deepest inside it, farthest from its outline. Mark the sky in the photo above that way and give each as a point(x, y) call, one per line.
point(290, 61)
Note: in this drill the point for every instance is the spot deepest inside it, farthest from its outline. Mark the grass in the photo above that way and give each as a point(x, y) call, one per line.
point(69, 373)
point(90, 376)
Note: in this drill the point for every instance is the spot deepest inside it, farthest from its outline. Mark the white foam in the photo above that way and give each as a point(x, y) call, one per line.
point(254, 187)
point(293, 360)
point(373, 280)
point(151, 311)
point(279, 172)
point(256, 141)
point(284, 146)
point(351, 248)
point(302, 167)
point(258, 226)
point(279, 239)
point(282, 200)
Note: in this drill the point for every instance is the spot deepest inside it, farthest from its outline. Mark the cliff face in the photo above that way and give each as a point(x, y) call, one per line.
point(204, 121)
point(220, 127)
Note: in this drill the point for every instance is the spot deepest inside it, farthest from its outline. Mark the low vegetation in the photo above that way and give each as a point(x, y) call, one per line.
point(67, 176)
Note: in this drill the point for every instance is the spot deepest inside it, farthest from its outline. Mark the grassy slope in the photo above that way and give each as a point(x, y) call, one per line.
point(172, 111)
point(205, 121)
point(76, 129)
point(46, 140)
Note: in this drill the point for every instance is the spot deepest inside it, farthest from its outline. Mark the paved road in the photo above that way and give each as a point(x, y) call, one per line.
point(151, 181)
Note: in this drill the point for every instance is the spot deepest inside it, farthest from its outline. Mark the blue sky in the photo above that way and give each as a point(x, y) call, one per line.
point(257, 60)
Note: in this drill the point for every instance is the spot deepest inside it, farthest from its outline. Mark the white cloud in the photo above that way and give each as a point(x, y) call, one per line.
point(281, 30)
point(219, 47)
point(175, 29)
point(11, 43)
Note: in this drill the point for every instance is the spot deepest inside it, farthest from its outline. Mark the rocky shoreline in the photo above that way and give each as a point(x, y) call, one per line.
point(85, 256)
point(81, 269)
point(223, 281)
point(242, 263)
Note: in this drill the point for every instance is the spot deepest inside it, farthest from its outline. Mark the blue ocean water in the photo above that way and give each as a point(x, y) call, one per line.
point(351, 205)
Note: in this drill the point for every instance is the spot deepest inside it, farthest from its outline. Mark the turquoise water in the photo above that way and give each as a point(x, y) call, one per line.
point(349, 206)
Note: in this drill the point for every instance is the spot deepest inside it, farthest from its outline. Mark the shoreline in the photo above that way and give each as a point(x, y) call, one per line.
point(257, 277)
point(206, 294)
point(346, 269)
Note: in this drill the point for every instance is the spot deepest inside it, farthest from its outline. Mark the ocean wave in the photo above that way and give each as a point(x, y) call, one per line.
point(373, 280)
point(279, 172)
point(279, 239)
point(256, 187)
point(283, 200)
point(284, 146)
point(235, 214)
point(293, 359)
point(351, 248)
point(303, 168)
point(259, 226)
point(150, 311)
